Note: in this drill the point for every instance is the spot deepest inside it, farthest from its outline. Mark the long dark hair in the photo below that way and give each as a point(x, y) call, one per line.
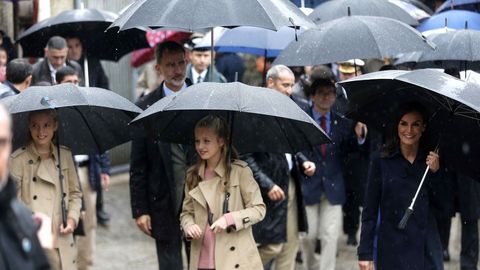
point(220, 127)
point(393, 142)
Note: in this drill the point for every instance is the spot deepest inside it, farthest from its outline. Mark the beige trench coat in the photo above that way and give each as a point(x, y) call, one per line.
point(235, 249)
point(39, 188)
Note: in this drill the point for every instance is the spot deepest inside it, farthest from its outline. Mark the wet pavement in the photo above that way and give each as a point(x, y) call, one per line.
point(122, 246)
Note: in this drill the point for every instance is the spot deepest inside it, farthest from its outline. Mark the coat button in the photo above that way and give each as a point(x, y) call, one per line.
point(237, 265)
point(34, 197)
point(30, 161)
point(232, 248)
point(34, 179)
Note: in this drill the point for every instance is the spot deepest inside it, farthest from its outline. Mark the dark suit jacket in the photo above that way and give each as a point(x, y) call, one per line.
point(152, 181)
point(41, 72)
point(217, 76)
point(329, 175)
point(270, 169)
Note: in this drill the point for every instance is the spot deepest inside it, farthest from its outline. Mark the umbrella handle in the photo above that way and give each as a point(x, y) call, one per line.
point(403, 222)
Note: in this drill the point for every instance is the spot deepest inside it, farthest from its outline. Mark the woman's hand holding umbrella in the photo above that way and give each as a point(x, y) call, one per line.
point(433, 161)
point(71, 224)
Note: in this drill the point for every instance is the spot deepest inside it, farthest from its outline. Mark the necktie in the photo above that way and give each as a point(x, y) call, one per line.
point(199, 79)
point(323, 125)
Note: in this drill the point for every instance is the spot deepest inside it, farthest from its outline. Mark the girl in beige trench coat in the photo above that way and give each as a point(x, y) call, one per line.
point(34, 168)
point(220, 240)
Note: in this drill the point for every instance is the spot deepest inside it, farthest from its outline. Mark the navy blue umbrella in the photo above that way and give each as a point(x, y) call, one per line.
point(454, 19)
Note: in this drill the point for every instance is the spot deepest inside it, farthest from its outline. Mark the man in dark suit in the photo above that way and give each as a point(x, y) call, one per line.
point(279, 176)
point(199, 69)
point(55, 58)
point(157, 169)
point(324, 192)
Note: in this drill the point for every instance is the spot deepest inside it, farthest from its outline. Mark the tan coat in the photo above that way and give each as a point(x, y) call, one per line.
point(235, 249)
point(39, 188)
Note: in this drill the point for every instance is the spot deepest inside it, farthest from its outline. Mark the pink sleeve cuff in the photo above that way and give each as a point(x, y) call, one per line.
point(230, 219)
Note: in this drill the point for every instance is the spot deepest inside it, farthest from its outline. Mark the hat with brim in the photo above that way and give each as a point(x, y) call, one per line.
point(349, 66)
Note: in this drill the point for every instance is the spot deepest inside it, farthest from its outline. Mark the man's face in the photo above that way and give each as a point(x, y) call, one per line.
point(75, 49)
point(56, 58)
point(3, 58)
point(324, 97)
point(283, 84)
point(173, 69)
point(345, 76)
point(70, 79)
point(5, 143)
point(200, 60)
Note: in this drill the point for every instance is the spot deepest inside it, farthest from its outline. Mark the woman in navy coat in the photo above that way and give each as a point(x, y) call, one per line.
point(393, 179)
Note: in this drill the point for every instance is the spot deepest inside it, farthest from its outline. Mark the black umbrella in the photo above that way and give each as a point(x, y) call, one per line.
point(91, 120)
point(262, 120)
point(194, 15)
point(455, 49)
point(191, 15)
point(89, 25)
point(331, 10)
point(352, 37)
point(454, 105)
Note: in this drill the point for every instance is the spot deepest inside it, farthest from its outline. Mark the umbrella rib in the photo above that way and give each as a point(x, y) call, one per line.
point(88, 126)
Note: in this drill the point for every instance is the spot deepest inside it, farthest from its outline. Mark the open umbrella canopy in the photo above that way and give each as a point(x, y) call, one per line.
point(262, 120)
point(89, 25)
point(254, 40)
point(91, 120)
point(454, 19)
point(191, 15)
point(455, 49)
point(454, 106)
point(352, 37)
point(331, 10)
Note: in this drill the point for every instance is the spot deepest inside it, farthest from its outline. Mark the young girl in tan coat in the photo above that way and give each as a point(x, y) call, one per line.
point(222, 202)
point(34, 168)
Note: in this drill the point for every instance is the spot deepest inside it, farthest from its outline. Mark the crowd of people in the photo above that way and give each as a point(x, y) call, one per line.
point(231, 210)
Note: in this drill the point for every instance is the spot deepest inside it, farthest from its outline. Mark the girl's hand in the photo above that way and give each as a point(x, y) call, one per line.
point(70, 227)
point(193, 232)
point(433, 160)
point(365, 265)
point(220, 225)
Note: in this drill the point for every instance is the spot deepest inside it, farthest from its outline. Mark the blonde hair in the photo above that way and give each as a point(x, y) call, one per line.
point(220, 127)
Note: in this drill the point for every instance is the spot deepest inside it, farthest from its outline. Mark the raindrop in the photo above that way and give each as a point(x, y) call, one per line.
point(466, 148)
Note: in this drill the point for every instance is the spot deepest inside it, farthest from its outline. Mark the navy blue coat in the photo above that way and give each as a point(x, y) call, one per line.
point(329, 175)
point(392, 183)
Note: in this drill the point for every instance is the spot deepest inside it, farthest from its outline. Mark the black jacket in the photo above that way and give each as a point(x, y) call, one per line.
point(152, 180)
point(19, 246)
point(41, 72)
point(271, 169)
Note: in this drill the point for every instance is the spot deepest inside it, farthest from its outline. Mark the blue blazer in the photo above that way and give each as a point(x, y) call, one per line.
point(328, 178)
